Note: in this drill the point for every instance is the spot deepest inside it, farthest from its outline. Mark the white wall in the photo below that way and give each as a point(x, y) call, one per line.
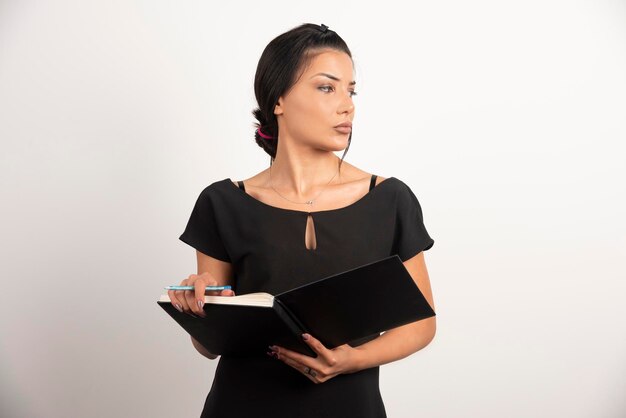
point(505, 118)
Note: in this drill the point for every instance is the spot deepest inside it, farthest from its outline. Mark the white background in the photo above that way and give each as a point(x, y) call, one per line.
point(507, 120)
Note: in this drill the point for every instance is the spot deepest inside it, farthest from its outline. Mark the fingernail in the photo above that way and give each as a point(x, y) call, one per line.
point(180, 308)
point(305, 336)
point(200, 303)
point(273, 348)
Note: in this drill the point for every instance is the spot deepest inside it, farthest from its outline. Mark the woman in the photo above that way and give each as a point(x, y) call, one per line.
point(307, 216)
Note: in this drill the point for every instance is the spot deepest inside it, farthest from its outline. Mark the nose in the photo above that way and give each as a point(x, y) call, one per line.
point(347, 105)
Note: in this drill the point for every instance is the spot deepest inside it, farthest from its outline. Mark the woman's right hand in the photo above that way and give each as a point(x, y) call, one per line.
point(192, 301)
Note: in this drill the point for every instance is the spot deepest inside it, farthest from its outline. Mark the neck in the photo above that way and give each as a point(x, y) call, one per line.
point(300, 174)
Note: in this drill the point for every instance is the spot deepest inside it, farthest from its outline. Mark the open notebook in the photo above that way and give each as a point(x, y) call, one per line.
point(338, 309)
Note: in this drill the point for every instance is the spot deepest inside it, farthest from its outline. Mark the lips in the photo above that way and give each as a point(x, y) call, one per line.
point(344, 128)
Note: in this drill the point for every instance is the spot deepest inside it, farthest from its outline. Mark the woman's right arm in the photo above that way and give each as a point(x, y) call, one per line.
point(211, 272)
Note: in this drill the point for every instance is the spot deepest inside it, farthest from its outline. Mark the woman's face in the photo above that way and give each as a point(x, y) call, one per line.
point(319, 101)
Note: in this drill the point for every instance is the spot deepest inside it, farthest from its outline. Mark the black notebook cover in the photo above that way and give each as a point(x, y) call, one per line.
point(359, 302)
point(241, 330)
point(338, 309)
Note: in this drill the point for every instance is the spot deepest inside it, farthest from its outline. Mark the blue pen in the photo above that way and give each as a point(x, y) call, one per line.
point(192, 288)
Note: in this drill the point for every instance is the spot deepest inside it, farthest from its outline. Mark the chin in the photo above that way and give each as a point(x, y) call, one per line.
point(333, 143)
point(344, 141)
point(339, 143)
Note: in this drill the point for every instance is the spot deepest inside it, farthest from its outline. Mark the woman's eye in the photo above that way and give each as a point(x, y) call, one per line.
point(330, 88)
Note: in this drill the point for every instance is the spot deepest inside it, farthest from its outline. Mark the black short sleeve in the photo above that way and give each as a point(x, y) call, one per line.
point(411, 235)
point(202, 230)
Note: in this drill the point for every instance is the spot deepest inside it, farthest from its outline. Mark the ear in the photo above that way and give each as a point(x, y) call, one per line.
point(278, 109)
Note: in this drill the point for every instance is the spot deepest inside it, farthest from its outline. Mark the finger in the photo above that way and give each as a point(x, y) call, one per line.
point(199, 290)
point(181, 295)
point(305, 361)
point(174, 300)
point(199, 285)
point(182, 298)
point(190, 297)
point(196, 303)
point(227, 292)
point(210, 281)
point(319, 348)
point(299, 367)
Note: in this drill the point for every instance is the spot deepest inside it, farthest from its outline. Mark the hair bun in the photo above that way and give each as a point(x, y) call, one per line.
point(263, 135)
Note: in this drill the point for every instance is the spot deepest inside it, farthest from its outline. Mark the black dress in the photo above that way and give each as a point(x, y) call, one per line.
point(266, 247)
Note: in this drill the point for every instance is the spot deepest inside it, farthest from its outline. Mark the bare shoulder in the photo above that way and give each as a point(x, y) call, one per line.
point(356, 175)
point(258, 180)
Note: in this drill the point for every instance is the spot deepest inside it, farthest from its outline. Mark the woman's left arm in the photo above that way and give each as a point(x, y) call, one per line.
point(392, 345)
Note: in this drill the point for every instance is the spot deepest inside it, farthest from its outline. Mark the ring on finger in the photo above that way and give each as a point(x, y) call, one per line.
point(308, 370)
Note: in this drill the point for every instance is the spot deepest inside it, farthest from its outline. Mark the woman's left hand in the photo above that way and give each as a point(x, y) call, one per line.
point(327, 364)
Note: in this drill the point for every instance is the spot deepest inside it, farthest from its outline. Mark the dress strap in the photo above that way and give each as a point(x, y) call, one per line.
point(373, 181)
point(241, 186)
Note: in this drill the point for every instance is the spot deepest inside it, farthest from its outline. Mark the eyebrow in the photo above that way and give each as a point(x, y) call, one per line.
point(332, 77)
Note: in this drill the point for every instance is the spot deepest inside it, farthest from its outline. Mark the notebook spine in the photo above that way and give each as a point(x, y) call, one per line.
point(294, 325)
